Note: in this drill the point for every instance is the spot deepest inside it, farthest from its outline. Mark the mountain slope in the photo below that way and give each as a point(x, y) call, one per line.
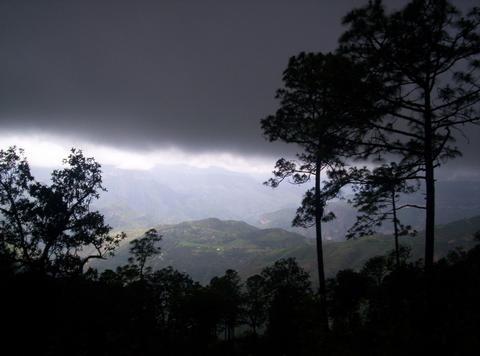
point(354, 253)
point(455, 201)
point(206, 248)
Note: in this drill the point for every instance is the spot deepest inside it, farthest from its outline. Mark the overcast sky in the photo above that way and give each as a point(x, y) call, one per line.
point(147, 76)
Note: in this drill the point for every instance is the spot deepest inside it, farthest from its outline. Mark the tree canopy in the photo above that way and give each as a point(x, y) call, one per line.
point(51, 228)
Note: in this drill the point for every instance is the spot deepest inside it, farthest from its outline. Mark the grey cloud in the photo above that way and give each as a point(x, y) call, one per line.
point(197, 75)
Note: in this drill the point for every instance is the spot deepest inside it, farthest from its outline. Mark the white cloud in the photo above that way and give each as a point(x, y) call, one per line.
point(48, 151)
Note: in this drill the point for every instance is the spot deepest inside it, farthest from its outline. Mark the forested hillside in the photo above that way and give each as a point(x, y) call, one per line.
point(206, 248)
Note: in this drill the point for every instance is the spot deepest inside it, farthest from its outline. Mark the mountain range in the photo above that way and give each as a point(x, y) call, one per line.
point(206, 248)
point(252, 224)
point(171, 194)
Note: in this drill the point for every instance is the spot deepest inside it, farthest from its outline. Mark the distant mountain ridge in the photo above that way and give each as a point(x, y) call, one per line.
point(455, 201)
point(206, 248)
point(172, 194)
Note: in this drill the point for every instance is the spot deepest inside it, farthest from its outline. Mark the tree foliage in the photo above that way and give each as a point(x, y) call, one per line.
point(227, 290)
point(377, 198)
point(51, 228)
point(255, 298)
point(142, 249)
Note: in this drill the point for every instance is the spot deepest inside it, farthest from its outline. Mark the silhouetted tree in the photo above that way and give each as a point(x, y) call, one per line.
point(288, 290)
point(228, 292)
point(427, 54)
point(111, 278)
point(171, 291)
point(377, 197)
point(124, 275)
point(143, 249)
point(323, 106)
point(347, 290)
point(202, 308)
point(376, 268)
point(50, 228)
point(255, 299)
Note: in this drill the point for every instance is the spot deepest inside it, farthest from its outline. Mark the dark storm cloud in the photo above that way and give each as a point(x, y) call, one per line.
point(194, 74)
point(197, 75)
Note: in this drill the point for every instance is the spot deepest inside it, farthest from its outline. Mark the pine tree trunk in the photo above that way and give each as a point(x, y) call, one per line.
point(430, 218)
point(395, 229)
point(429, 187)
point(318, 229)
point(429, 223)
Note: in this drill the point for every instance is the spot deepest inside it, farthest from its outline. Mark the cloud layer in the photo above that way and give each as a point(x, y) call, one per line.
point(194, 76)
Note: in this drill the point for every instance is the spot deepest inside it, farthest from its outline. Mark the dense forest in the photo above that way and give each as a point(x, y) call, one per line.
point(380, 115)
point(379, 310)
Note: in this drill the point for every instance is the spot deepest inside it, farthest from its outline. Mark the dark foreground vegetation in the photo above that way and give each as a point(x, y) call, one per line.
point(380, 310)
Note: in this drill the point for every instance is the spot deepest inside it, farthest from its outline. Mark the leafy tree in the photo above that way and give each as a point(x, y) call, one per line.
point(171, 289)
point(123, 275)
point(347, 290)
point(205, 316)
point(376, 268)
point(51, 228)
point(428, 56)
point(288, 291)
point(323, 106)
point(286, 274)
point(228, 291)
point(111, 278)
point(15, 181)
point(142, 249)
point(255, 302)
